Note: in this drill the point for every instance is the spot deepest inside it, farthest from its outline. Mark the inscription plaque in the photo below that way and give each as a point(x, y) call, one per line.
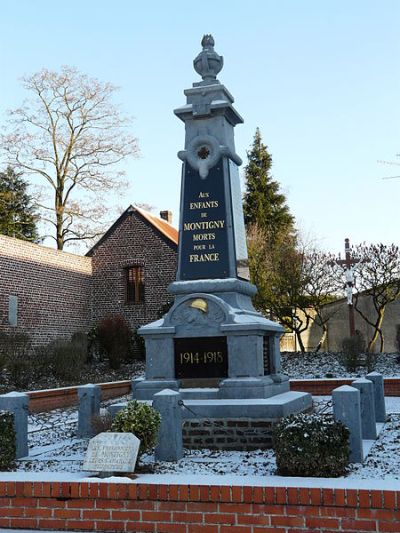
point(112, 452)
point(201, 357)
point(203, 238)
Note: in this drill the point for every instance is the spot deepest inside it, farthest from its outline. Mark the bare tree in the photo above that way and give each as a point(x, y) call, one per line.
point(323, 282)
point(70, 135)
point(294, 282)
point(377, 277)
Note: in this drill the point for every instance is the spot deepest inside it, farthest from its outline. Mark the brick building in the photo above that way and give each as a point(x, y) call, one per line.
point(133, 263)
point(49, 293)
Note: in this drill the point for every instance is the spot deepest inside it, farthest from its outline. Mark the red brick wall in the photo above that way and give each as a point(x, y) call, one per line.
point(48, 399)
point(53, 289)
point(323, 387)
point(192, 508)
point(45, 400)
point(133, 241)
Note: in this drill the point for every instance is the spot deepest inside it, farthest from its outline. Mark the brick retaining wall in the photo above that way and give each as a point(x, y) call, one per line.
point(48, 399)
point(324, 387)
point(228, 434)
point(193, 508)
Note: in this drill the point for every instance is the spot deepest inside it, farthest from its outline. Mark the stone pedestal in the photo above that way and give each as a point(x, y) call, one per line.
point(247, 365)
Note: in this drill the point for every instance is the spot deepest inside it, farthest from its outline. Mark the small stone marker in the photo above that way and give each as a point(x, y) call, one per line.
point(112, 452)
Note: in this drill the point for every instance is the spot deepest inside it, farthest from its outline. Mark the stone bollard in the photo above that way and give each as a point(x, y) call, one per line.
point(89, 405)
point(170, 445)
point(368, 421)
point(379, 395)
point(17, 403)
point(347, 409)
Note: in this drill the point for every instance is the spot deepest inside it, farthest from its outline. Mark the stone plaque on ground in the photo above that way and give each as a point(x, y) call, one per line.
point(201, 357)
point(112, 452)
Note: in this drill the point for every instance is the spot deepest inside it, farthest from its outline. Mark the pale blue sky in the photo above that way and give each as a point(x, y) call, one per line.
point(320, 78)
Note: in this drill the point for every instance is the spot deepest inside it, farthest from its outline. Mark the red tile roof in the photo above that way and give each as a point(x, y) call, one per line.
point(162, 225)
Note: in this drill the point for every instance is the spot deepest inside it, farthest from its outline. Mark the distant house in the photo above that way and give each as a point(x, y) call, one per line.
point(49, 293)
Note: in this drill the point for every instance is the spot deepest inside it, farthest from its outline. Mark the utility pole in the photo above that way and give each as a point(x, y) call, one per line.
point(348, 263)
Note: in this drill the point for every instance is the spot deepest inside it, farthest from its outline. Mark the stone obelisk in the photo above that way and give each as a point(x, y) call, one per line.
point(212, 334)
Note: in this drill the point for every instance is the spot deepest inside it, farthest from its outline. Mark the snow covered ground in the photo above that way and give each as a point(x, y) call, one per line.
point(330, 365)
point(54, 448)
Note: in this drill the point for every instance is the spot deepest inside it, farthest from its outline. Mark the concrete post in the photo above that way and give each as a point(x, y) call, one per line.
point(368, 423)
point(89, 405)
point(347, 409)
point(379, 395)
point(170, 445)
point(17, 403)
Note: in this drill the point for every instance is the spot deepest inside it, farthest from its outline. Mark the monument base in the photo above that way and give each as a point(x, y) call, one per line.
point(212, 337)
point(231, 424)
point(143, 389)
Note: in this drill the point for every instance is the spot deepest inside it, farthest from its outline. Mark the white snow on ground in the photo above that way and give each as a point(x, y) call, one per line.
point(330, 365)
point(55, 452)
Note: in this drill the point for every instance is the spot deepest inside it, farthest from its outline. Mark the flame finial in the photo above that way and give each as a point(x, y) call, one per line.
point(208, 63)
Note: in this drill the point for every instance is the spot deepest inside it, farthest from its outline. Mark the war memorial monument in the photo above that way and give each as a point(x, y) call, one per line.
point(212, 344)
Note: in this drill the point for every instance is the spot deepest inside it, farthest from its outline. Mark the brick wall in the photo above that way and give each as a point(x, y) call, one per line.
point(132, 242)
point(228, 434)
point(48, 399)
point(323, 387)
point(192, 508)
point(45, 400)
point(52, 287)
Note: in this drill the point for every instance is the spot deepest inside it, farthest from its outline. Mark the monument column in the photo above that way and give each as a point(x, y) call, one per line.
point(212, 335)
point(212, 242)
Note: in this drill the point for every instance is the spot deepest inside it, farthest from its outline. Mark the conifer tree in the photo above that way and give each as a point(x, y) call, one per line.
point(17, 215)
point(264, 204)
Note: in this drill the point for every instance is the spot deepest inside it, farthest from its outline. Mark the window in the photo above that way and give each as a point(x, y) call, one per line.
point(134, 284)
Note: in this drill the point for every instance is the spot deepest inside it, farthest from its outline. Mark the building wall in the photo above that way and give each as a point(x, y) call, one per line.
point(52, 289)
point(338, 327)
point(133, 242)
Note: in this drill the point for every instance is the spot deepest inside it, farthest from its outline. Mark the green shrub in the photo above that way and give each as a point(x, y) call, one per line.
point(67, 359)
point(16, 350)
point(311, 445)
point(141, 420)
point(115, 338)
point(95, 352)
point(7, 441)
point(352, 348)
point(81, 340)
point(370, 361)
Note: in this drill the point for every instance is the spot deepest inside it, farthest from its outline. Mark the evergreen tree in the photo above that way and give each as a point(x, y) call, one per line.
point(17, 215)
point(264, 204)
